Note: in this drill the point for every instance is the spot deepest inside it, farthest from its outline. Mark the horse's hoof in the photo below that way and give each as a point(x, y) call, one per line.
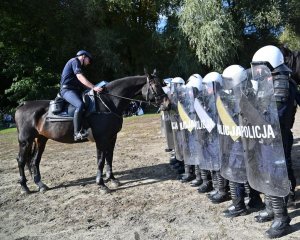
point(25, 191)
point(104, 190)
point(115, 183)
point(43, 188)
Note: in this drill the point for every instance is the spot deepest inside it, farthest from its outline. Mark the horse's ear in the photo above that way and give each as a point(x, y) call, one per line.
point(154, 72)
point(146, 71)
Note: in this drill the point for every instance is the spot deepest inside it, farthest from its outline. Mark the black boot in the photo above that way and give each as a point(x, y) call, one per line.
point(255, 202)
point(221, 195)
point(281, 223)
point(180, 167)
point(267, 214)
point(214, 181)
point(188, 174)
point(206, 185)
point(78, 133)
point(291, 199)
point(173, 159)
point(238, 207)
point(197, 181)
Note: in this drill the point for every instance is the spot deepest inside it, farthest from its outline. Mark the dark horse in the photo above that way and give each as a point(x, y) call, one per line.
point(34, 130)
point(292, 60)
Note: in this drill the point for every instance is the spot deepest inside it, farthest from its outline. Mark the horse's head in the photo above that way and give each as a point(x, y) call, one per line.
point(153, 91)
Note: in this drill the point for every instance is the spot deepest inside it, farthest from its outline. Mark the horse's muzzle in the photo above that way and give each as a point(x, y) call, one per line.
point(165, 103)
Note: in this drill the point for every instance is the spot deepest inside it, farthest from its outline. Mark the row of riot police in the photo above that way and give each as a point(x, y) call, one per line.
point(232, 133)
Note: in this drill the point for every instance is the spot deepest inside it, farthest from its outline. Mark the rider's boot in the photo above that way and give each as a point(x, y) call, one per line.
point(197, 181)
point(206, 185)
point(281, 223)
point(267, 214)
point(78, 133)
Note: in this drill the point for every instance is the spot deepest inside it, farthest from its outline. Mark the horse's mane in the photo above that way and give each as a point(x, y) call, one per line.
point(118, 81)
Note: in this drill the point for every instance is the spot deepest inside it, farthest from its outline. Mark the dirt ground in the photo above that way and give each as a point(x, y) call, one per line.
point(150, 203)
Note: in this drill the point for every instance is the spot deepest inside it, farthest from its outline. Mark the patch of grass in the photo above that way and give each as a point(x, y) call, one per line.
point(147, 115)
point(8, 130)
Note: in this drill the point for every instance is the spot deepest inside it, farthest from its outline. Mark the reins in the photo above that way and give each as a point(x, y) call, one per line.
point(130, 99)
point(150, 88)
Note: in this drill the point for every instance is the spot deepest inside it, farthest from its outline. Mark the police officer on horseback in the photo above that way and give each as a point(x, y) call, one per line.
point(72, 85)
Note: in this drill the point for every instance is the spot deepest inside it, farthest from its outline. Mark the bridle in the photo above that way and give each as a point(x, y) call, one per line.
point(150, 90)
point(150, 87)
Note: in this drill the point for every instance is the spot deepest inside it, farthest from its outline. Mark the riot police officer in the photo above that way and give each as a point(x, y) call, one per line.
point(233, 167)
point(195, 81)
point(175, 84)
point(284, 93)
point(212, 82)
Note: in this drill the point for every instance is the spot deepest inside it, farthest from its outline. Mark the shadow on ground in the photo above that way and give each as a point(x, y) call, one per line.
point(151, 174)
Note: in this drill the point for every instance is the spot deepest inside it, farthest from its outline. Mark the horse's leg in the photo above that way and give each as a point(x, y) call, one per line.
point(109, 159)
point(40, 143)
point(25, 147)
point(99, 178)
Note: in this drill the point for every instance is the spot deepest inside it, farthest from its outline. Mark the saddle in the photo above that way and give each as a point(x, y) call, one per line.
point(62, 111)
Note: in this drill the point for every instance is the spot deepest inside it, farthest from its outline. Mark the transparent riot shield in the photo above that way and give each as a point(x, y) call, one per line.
point(265, 159)
point(231, 146)
point(167, 129)
point(205, 107)
point(175, 123)
point(190, 127)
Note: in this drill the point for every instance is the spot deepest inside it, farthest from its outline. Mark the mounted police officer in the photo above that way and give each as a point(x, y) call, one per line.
point(72, 85)
point(272, 172)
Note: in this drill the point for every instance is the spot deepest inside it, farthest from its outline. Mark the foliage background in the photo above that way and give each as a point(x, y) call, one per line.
point(38, 37)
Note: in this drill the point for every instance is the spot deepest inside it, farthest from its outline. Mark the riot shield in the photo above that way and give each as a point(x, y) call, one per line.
point(231, 146)
point(264, 152)
point(190, 127)
point(176, 122)
point(205, 106)
point(167, 129)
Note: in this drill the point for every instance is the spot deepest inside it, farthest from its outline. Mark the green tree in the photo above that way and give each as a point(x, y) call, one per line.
point(230, 31)
point(291, 33)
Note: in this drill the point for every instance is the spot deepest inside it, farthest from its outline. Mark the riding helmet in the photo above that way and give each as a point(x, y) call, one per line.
point(83, 52)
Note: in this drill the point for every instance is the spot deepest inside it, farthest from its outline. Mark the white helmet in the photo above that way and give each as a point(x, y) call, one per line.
point(166, 89)
point(195, 80)
point(270, 54)
point(233, 75)
point(178, 80)
point(213, 77)
point(273, 56)
point(167, 81)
